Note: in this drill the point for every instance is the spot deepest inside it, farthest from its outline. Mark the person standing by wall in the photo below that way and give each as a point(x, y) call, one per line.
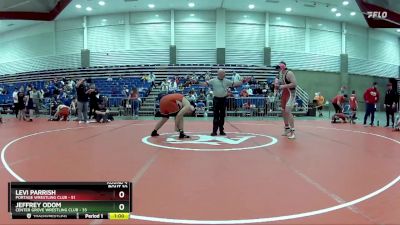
point(15, 100)
point(83, 98)
point(338, 102)
point(21, 104)
point(320, 100)
point(36, 100)
point(371, 97)
point(391, 101)
point(353, 105)
point(29, 102)
point(93, 100)
point(135, 99)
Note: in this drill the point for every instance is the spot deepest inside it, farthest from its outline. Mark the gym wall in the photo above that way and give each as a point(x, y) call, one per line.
point(146, 38)
point(329, 84)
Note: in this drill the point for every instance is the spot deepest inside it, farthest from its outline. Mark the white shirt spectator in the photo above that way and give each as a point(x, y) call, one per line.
point(271, 98)
point(210, 96)
point(249, 91)
point(208, 76)
point(173, 86)
point(15, 96)
point(192, 97)
point(152, 78)
point(236, 77)
point(165, 86)
point(41, 94)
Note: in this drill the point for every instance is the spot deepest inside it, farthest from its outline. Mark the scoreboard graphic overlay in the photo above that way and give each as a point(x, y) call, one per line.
point(70, 200)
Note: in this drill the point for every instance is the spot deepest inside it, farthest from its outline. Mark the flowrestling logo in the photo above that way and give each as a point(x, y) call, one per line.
point(204, 142)
point(380, 14)
point(202, 139)
point(377, 15)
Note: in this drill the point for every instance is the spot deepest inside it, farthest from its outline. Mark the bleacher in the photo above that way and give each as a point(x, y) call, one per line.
point(114, 88)
point(129, 76)
point(137, 70)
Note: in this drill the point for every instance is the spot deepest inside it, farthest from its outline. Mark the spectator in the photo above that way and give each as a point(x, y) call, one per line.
point(244, 93)
point(391, 101)
point(208, 76)
point(271, 101)
point(125, 91)
point(29, 102)
point(192, 96)
point(236, 77)
point(202, 96)
point(21, 104)
point(109, 78)
point(74, 106)
point(319, 100)
point(353, 105)
point(145, 78)
point(69, 85)
point(83, 98)
point(338, 102)
point(41, 97)
point(193, 79)
point(371, 97)
point(93, 100)
point(173, 86)
point(202, 78)
point(177, 79)
point(249, 90)
point(165, 86)
point(134, 98)
point(152, 79)
point(252, 80)
point(257, 90)
point(209, 100)
point(102, 113)
point(397, 123)
point(342, 90)
point(299, 104)
point(15, 99)
point(36, 100)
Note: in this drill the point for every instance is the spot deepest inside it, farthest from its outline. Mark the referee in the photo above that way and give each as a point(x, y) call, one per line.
point(220, 87)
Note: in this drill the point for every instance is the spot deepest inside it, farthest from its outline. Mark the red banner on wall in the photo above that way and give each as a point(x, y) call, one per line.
point(379, 16)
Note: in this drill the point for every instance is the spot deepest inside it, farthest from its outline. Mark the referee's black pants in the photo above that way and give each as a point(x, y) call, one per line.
point(219, 114)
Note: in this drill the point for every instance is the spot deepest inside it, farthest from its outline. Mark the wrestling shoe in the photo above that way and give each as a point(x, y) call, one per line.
point(292, 135)
point(286, 131)
point(154, 133)
point(183, 135)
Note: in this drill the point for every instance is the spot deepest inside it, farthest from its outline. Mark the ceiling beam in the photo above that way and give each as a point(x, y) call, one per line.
point(49, 16)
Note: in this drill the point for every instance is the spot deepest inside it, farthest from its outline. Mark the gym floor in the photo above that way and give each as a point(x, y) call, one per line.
point(331, 174)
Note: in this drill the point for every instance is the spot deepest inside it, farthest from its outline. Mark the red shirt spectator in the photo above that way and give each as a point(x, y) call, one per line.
point(339, 99)
point(244, 93)
point(371, 95)
point(353, 102)
point(134, 94)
